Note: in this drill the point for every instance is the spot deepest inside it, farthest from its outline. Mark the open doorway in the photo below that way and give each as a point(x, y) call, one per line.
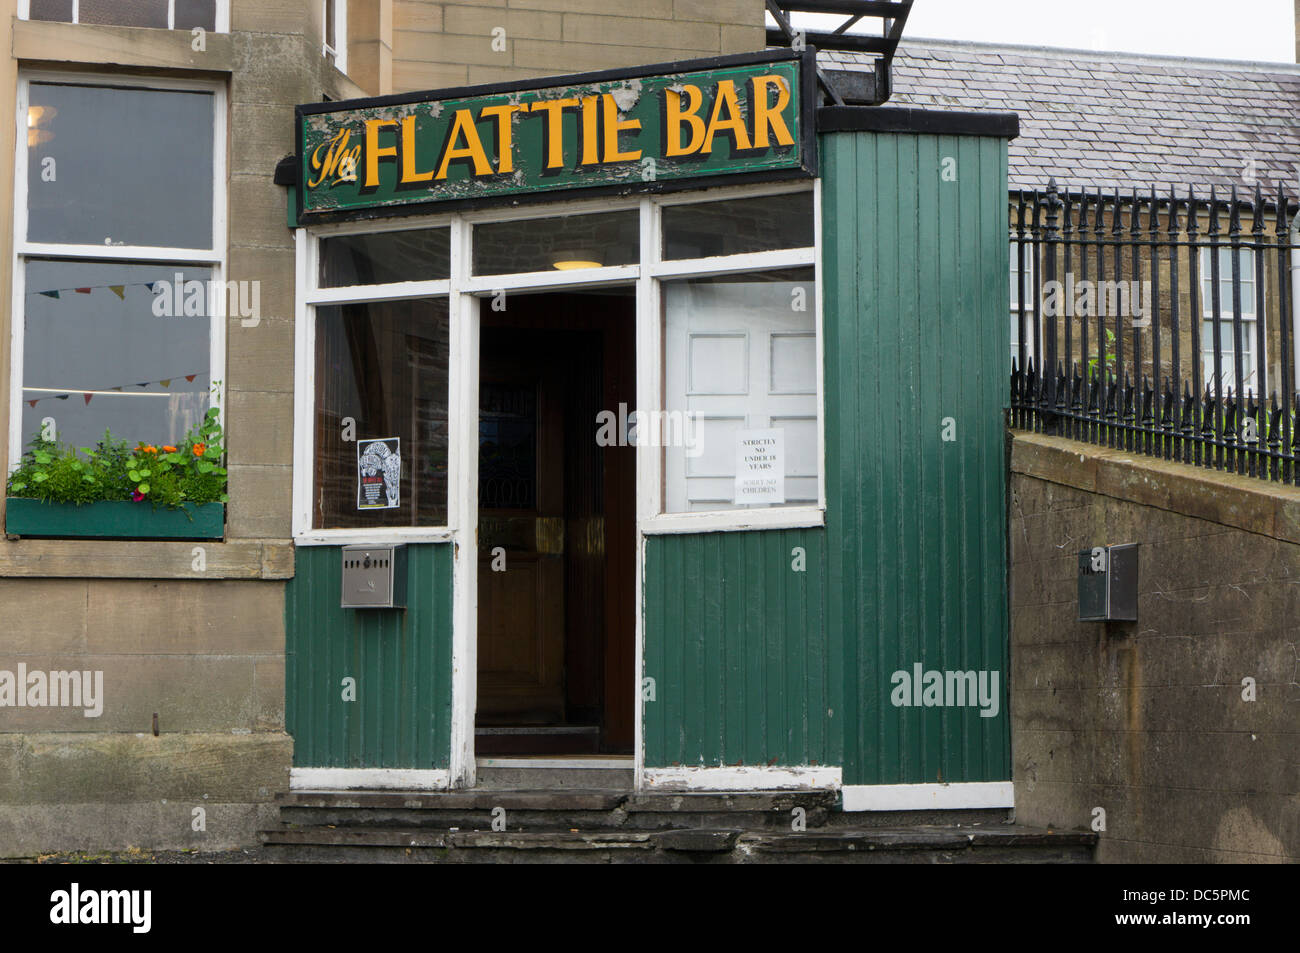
point(557, 525)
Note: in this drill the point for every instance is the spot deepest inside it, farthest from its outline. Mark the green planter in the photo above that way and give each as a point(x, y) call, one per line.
point(114, 520)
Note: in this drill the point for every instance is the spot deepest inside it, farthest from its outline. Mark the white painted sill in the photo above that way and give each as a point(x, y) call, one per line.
point(728, 521)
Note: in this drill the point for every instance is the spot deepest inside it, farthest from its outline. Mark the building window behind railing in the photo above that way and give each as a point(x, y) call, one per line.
point(1159, 325)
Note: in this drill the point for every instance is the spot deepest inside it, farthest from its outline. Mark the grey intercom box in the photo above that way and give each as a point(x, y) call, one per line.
point(374, 577)
point(1108, 583)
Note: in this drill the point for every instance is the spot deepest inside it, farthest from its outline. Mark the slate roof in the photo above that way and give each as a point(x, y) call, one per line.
point(1113, 120)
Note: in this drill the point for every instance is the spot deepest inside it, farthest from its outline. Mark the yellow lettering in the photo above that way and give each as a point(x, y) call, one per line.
point(463, 127)
point(769, 117)
point(554, 109)
point(373, 152)
point(337, 161)
point(408, 154)
point(735, 122)
point(590, 135)
point(613, 126)
point(676, 115)
point(505, 133)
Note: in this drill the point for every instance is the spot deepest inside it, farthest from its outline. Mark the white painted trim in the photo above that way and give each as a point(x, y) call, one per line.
point(542, 763)
point(735, 264)
point(726, 521)
point(387, 534)
point(647, 360)
point(304, 389)
point(556, 209)
point(131, 253)
point(968, 795)
point(577, 278)
point(818, 283)
point(354, 294)
point(722, 193)
point(359, 779)
point(800, 778)
point(462, 508)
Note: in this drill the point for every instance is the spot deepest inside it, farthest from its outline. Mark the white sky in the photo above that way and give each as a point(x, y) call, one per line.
point(1239, 30)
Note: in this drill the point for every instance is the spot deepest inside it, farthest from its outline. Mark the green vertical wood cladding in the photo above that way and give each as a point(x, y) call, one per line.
point(401, 660)
point(916, 316)
point(737, 644)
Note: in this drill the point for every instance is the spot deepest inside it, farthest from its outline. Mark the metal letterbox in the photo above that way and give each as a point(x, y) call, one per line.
point(374, 577)
point(1108, 578)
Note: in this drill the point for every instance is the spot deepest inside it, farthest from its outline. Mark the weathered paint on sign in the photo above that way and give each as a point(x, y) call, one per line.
point(627, 131)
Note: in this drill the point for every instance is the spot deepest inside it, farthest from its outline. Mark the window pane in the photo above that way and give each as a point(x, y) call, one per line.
point(738, 226)
point(120, 166)
point(192, 13)
point(60, 10)
point(384, 365)
point(103, 350)
point(423, 255)
point(740, 392)
point(576, 241)
point(147, 13)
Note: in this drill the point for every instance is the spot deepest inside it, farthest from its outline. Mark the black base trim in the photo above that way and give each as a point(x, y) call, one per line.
point(942, 122)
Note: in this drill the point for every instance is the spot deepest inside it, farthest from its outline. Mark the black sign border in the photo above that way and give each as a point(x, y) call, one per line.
point(807, 169)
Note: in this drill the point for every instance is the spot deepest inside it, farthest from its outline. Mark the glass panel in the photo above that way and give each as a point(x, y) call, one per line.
point(147, 13)
point(384, 365)
point(740, 392)
point(192, 13)
point(507, 446)
point(60, 10)
point(543, 244)
point(423, 255)
point(109, 345)
point(738, 226)
point(119, 166)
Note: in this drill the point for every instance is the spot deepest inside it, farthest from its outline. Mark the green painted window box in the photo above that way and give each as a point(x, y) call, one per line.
point(114, 520)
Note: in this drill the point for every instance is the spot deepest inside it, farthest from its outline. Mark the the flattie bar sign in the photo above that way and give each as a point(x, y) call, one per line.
point(683, 125)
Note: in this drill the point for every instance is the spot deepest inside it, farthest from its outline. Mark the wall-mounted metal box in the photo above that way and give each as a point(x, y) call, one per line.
point(1108, 583)
point(374, 577)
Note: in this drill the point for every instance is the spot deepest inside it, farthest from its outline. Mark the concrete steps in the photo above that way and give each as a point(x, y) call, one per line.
point(613, 826)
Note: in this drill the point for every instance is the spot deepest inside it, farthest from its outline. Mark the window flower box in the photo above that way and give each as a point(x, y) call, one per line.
point(113, 519)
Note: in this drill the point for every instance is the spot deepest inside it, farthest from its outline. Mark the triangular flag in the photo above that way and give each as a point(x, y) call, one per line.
point(149, 285)
point(82, 291)
point(119, 290)
point(32, 403)
point(118, 389)
point(166, 383)
point(49, 294)
point(190, 377)
point(87, 396)
point(62, 397)
point(145, 384)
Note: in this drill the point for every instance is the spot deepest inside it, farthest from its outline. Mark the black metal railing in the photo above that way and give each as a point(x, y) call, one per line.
point(1141, 323)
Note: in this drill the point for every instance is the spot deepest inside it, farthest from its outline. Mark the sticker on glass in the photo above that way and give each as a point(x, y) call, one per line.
point(379, 473)
point(760, 466)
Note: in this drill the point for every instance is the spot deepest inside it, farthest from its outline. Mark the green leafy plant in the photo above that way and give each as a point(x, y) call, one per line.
point(1110, 355)
point(190, 472)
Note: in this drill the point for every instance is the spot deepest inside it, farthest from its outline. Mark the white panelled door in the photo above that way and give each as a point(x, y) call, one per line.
point(740, 355)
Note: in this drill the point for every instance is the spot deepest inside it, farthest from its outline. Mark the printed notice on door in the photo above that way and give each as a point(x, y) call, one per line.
point(760, 466)
point(379, 473)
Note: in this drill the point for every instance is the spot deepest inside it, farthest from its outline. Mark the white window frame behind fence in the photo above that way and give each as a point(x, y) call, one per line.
point(222, 15)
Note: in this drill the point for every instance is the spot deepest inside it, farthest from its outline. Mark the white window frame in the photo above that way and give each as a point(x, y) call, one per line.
point(340, 48)
point(1031, 303)
point(464, 291)
point(222, 19)
point(1249, 316)
point(463, 287)
point(214, 258)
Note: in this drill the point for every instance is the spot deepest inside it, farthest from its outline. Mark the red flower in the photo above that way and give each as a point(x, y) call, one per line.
point(136, 496)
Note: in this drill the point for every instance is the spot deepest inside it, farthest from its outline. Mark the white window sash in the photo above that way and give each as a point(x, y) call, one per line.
point(214, 257)
point(222, 18)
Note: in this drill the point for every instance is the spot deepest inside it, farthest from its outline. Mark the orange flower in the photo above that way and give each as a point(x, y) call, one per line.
point(169, 449)
point(150, 449)
point(199, 449)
